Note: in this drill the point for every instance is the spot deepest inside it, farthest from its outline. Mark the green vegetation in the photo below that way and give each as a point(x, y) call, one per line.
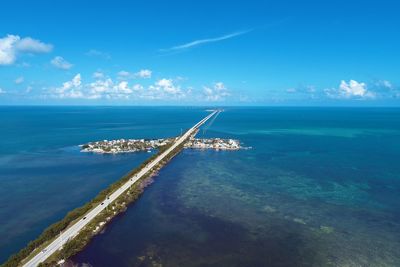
point(119, 205)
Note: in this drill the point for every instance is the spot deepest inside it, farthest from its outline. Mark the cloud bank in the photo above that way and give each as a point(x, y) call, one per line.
point(165, 89)
point(351, 90)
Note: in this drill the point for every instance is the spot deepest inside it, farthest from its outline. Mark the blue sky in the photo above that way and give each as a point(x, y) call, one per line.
point(200, 52)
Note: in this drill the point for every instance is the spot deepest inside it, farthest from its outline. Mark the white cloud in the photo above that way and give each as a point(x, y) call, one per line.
point(7, 49)
point(19, 80)
point(301, 91)
point(350, 90)
point(353, 88)
point(100, 88)
point(168, 86)
point(61, 63)
point(216, 93)
point(70, 89)
point(205, 41)
point(123, 75)
point(164, 89)
point(103, 87)
point(137, 87)
point(30, 45)
point(384, 84)
point(108, 89)
point(12, 46)
point(145, 74)
point(98, 75)
point(123, 88)
point(220, 87)
point(385, 89)
point(97, 53)
point(180, 78)
point(76, 81)
point(2, 91)
point(310, 89)
point(387, 84)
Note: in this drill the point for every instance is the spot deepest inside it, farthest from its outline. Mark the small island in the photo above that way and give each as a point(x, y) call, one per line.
point(124, 145)
point(136, 145)
point(213, 143)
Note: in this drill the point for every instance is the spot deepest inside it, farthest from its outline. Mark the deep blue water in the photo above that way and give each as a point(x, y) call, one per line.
point(319, 187)
point(42, 173)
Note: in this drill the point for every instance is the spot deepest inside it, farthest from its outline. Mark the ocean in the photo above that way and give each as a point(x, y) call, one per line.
point(317, 186)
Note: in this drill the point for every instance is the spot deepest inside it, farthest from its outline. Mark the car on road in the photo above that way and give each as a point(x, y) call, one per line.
point(102, 203)
point(84, 218)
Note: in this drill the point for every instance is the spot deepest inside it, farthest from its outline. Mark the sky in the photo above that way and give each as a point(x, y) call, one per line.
point(301, 53)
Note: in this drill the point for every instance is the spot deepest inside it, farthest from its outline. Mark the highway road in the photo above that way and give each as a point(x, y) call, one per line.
point(72, 231)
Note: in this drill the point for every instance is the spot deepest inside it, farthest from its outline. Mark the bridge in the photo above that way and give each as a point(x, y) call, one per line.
point(73, 230)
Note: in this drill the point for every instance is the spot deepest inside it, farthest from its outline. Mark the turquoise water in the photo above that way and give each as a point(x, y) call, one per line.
point(319, 187)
